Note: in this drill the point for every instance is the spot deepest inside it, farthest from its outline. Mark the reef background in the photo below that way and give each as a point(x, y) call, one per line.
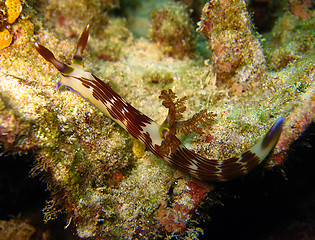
point(102, 183)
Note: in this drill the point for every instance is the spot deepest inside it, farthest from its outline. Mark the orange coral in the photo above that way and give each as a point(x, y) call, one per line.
point(5, 38)
point(14, 8)
point(10, 12)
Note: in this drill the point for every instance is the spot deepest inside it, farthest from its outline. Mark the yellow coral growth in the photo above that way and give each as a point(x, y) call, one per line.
point(5, 39)
point(138, 148)
point(14, 8)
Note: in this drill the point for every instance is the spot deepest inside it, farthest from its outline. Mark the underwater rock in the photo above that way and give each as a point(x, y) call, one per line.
point(172, 29)
point(237, 53)
point(87, 160)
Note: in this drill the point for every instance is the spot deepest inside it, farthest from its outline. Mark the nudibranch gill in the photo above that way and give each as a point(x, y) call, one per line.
point(141, 127)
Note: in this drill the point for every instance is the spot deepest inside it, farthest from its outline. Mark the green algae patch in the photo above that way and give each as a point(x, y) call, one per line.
point(49, 127)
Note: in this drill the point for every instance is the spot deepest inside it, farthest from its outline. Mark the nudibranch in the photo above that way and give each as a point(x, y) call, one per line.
point(157, 138)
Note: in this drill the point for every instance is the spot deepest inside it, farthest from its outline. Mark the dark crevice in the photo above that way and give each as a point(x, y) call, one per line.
point(273, 205)
point(22, 198)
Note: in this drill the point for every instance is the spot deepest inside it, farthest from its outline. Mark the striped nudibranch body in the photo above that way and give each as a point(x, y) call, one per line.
point(141, 127)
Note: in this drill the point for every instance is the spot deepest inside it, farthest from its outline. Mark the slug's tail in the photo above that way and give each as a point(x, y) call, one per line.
point(267, 143)
point(222, 170)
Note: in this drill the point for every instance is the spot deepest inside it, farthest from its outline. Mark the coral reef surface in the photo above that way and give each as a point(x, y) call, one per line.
point(88, 161)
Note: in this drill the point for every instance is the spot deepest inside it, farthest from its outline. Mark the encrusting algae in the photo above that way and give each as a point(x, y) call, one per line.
point(88, 161)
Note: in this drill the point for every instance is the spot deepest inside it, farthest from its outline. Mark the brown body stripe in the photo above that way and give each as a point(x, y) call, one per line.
point(183, 159)
point(116, 106)
point(212, 169)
